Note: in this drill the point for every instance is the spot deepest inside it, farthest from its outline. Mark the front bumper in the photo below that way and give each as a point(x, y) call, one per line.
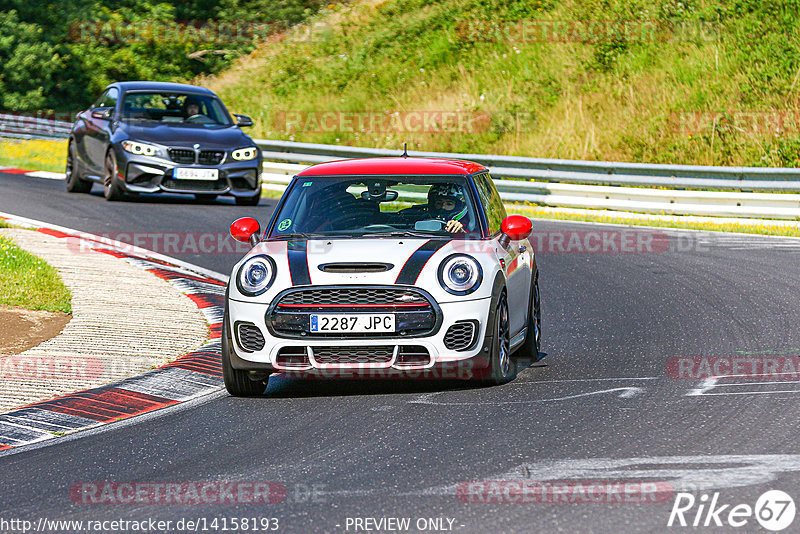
point(142, 174)
point(398, 355)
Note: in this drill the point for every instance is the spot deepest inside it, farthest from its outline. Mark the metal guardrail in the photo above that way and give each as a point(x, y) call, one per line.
point(752, 192)
point(22, 127)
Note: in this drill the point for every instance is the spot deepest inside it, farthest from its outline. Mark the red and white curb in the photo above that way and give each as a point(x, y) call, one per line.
point(47, 175)
point(188, 377)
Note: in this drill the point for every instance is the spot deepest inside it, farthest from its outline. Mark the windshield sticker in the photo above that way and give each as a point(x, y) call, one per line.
point(307, 184)
point(284, 224)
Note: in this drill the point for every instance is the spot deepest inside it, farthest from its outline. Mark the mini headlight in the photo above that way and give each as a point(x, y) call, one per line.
point(256, 275)
point(244, 154)
point(460, 274)
point(140, 149)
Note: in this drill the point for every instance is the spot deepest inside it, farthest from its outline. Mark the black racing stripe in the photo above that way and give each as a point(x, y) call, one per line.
point(410, 271)
point(298, 263)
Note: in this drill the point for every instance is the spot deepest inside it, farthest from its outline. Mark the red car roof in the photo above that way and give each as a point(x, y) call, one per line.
point(346, 167)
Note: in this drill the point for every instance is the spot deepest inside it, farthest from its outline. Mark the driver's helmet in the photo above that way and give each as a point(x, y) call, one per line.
point(192, 101)
point(447, 195)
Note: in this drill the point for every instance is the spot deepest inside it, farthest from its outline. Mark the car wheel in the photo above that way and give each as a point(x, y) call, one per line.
point(533, 337)
point(237, 382)
point(249, 201)
point(75, 184)
point(205, 198)
point(112, 189)
point(502, 368)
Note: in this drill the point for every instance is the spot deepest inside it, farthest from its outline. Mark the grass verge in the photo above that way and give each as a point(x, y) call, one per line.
point(34, 154)
point(29, 281)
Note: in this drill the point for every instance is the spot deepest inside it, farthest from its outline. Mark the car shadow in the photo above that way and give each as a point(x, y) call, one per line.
point(166, 198)
point(285, 386)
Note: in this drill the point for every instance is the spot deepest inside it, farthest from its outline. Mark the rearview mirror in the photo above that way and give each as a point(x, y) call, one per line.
point(103, 113)
point(516, 228)
point(243, 121)
point(246, 230)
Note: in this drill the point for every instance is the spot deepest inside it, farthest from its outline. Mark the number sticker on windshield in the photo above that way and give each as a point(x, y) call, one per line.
point(284, 224)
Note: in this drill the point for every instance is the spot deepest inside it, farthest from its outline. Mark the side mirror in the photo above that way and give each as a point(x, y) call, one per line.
point(246, 230)
point(243, 121)
point(516, 228)
point(103, 113)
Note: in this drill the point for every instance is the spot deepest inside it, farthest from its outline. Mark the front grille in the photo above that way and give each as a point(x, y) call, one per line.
point(353, 297)
point(181, 155)
point(250, 337)
point(193, 185)
point(460, 336)
point(344, 355)
point(412, 356)
point(295, 357)
point(210, 157)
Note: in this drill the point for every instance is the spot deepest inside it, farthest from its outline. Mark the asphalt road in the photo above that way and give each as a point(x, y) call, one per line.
point(603, 405)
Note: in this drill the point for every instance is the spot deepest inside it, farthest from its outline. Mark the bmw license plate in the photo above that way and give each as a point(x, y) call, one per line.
point(182, 173)
point(362, 323)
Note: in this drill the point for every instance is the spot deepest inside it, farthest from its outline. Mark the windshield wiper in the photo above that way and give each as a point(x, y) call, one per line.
point(295, 235)
point(400, 233)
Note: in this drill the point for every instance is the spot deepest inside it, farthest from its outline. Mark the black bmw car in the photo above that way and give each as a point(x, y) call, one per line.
point(146, 137)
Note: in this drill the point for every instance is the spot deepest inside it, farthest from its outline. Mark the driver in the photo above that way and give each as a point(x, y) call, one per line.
point(446, 203)
point(191, 107)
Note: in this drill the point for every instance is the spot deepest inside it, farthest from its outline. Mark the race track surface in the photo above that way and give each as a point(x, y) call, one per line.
point(607, 402)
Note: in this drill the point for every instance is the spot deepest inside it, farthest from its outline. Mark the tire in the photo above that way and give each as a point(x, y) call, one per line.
point(533, 343)
point(502, 367)
point(205, 198)
point(249, 201)
point(112, 189)
point(237, 382)
point(75, 184)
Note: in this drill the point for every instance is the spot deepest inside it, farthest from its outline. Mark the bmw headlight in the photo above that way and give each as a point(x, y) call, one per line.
point(140, 149)
point(244, 154)
point(460, 274)
point(255, 275)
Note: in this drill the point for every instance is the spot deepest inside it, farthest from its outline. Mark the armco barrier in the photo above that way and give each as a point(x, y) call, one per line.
point(752, 192)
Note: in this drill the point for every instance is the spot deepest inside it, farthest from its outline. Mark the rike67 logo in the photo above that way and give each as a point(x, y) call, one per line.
point(774, 510)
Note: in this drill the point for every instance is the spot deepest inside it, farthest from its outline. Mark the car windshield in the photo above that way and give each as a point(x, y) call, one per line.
point(378, 207)
point(178, 109)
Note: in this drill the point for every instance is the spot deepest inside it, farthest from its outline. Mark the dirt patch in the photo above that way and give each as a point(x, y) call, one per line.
point(22, 329)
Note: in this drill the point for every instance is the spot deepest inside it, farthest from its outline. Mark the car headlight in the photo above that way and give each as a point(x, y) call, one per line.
point(255, 275)
point(460, 274)
point(244, 154)
point(140, 149)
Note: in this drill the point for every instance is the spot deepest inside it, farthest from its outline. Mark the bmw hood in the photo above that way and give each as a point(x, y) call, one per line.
point(174, 135)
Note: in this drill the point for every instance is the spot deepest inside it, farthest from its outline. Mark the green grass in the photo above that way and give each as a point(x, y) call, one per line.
point(34, 154)
point(615, 98)
point(29, 282)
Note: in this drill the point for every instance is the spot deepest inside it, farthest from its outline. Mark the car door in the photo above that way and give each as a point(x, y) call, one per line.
point(98, 132)
point(516, 257)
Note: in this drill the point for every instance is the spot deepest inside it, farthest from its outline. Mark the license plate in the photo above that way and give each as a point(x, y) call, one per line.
point(361, 323)
point(195, 174)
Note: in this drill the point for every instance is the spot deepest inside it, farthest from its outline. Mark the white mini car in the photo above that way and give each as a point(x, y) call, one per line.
point(383, 267)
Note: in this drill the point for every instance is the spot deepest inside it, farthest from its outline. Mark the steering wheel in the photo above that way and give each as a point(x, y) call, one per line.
point(199, 118)
point(379, 228)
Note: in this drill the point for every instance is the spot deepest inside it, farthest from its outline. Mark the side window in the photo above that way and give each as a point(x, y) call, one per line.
point(110, 98)
point(99, 102)
point(492, 204)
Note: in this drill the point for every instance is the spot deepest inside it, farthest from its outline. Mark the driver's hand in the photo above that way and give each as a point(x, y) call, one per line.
point(454, 226)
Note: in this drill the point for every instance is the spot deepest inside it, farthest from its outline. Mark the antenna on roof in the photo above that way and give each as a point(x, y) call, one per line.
point(405, 150)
